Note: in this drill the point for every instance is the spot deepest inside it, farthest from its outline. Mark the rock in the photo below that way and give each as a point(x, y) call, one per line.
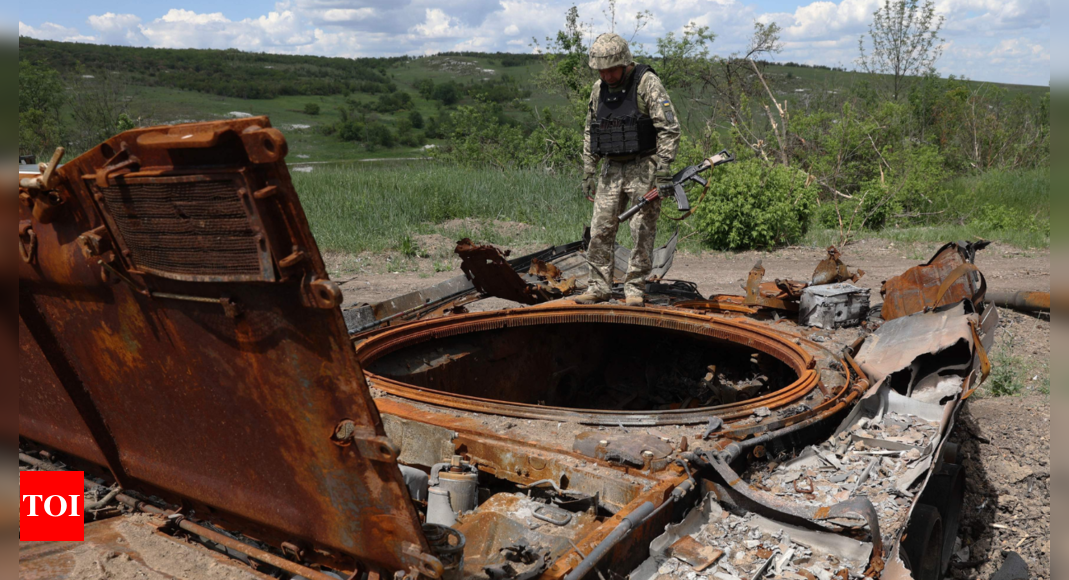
point(1013, 568)
point(1010, 471)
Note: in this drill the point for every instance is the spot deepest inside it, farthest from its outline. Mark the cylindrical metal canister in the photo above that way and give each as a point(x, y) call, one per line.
point(439, 510)
point(463, 488)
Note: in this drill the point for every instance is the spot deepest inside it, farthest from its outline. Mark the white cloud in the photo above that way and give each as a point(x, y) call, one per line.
point(50, 31)
point(992, 39)
point(438, 25)
point(339, 15)
point(118, 28)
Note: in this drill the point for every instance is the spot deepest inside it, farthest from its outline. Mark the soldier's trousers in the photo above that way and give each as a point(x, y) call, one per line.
point(621, 185)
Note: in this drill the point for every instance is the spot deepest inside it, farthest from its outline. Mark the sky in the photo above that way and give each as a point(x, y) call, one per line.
point(1004, 41)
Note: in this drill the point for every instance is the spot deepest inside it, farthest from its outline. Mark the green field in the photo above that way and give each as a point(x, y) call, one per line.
point(394, 207)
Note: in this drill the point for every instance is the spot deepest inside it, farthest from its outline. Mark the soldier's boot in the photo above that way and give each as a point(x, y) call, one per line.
point(636, 301)
point(591, 298)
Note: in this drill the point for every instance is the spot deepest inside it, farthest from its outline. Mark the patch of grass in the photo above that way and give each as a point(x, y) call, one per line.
point(1009, 373)
point(375, 207)
point(1005, 379)
point(1011, 208)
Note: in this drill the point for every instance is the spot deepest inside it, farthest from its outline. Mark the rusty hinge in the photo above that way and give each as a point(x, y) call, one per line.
point(424, 565)
point(374, 448)
point(27, 241)
point(121, 163)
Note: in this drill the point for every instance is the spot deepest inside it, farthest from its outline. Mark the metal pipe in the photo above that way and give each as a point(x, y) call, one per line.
point(632, 521)
point(222, 540)
point(1023, 301)
point(39, 464)
point(643, 514)
point(104, 500)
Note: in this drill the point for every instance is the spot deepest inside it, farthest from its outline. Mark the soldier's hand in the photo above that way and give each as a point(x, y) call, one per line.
point(664, 177)
point(590, 186)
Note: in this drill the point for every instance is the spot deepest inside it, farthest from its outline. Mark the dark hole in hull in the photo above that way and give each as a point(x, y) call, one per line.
point(589, 366)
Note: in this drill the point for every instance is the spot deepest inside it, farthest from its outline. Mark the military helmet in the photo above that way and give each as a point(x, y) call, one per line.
point(609, 50)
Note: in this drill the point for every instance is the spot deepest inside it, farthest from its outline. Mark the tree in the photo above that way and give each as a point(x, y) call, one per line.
point(41, 96)
point(416, 119)
point(425, 88)
point(905, 42)
point(567, 72)
point(447, 93)
point(99, 106)
point(679, 60)
point(311, 109)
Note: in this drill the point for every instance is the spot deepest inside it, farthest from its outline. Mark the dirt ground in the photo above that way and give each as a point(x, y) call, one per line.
point(1005, 440)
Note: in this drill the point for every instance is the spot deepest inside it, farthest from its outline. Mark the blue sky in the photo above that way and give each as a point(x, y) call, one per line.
point(989, 40)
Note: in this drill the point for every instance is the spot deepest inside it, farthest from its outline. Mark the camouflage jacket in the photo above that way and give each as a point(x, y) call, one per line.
point(654, 101)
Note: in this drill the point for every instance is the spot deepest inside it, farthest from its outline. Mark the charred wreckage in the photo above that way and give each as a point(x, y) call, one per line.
point(181, 342)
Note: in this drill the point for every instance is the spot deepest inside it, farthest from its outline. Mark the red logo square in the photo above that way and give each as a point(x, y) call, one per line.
point(51, 506)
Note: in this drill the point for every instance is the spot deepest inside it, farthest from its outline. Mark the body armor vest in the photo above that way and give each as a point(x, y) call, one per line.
point(617, 127)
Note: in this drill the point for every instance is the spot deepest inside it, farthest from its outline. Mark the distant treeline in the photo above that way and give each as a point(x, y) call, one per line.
point(507, 59)
point(230, 73)
point(800, 65)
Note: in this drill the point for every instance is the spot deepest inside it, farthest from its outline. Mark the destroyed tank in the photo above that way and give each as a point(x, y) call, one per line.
point(180, 339)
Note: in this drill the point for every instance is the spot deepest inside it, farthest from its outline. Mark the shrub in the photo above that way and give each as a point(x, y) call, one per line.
point(380, 135)
point(425, 88)
point(446, 93)
point(1002, 218)
point(311, 109)
point(751, 205)
point(416, 119)
point(351, 131)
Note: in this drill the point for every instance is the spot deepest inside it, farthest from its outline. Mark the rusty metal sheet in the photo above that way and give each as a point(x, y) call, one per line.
point(493, 275)
point(195, 384)
point(46, 413)
point(698, 555)
point(905, 343)
point(832, 270)
point(780, 295)
point(948, 277)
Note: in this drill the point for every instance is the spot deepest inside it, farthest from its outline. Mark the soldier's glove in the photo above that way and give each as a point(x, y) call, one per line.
point(590, 186)
point(663, 178)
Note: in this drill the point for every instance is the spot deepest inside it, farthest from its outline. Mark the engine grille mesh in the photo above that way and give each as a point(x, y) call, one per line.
point(187, 229)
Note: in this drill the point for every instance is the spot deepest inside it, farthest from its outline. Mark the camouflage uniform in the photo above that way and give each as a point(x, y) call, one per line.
point(623, 182)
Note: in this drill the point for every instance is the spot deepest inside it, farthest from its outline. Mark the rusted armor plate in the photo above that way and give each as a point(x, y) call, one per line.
point(922, 287)
point(177, 325)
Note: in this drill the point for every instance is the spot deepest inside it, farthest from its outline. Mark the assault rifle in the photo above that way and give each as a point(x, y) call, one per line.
point(676, 188)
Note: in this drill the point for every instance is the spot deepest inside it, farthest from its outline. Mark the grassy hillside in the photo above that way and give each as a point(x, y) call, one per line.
point(168, 86)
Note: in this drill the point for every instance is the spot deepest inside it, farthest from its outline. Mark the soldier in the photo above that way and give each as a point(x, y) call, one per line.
point(632, 125)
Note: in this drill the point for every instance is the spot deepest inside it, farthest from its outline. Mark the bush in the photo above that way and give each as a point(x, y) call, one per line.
point(380, 135)
point(416, 119)
point(751, 205)
point(446, 93)
point(311, 109)
point(351, 131)
point(425, 88)
point(1002, 218)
